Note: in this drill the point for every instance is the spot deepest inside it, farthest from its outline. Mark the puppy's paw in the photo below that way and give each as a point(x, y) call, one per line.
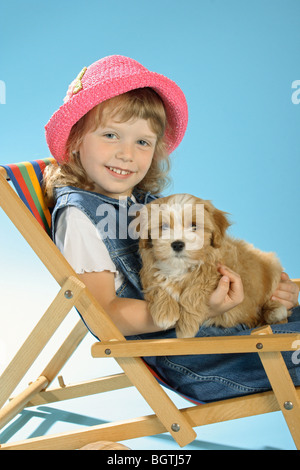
point(277, 315)
point(187, 325)
point(164, 323)
point(166, 314)
point(182, 332)
point(164, 319)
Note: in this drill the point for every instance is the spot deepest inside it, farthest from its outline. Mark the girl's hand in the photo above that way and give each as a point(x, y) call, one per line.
point(287, 292)
point(228, 294)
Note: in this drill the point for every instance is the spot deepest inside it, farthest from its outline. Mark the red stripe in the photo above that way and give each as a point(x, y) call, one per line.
point(42, 165)
point(26, 193)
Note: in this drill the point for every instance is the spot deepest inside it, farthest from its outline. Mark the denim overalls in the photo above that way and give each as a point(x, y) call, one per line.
point(204, 377)
point(112, 219)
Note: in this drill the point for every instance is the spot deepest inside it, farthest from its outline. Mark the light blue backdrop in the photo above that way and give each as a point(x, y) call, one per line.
point(236, 61)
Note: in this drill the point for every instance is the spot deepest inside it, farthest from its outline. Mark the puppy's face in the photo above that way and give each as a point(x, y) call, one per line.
point(181, 229)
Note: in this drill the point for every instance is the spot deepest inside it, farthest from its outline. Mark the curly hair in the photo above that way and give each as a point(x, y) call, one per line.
point(141, 103)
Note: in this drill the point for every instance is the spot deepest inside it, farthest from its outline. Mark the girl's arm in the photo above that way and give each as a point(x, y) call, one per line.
point(131, 316)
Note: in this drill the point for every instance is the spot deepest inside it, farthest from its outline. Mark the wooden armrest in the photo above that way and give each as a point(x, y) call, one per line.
point(195, 346)
point(296, 281)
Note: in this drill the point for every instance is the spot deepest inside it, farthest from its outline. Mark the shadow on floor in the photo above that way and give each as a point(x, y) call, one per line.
point(51, 416)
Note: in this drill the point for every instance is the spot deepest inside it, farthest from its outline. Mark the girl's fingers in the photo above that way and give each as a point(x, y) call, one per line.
point(236, 291)
point(287, 292)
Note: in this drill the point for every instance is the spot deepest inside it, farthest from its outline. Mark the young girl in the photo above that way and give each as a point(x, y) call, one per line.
point(112, 139)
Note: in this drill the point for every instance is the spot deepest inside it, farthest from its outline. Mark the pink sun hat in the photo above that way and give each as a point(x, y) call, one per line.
point(104, 79)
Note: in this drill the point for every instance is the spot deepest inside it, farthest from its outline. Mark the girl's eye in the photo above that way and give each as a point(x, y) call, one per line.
point(143, 143)
point(109, 135)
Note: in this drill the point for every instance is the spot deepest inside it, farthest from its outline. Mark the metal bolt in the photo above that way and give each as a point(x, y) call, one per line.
point(107, 352)
point(288, 405)
point(259, 346)
point(68, 294)
point(175, 427)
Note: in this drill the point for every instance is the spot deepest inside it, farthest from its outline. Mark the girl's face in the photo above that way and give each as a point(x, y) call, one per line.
point(117, 155)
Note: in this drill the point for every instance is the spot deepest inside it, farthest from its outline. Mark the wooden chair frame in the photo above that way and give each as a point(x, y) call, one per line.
point(167, 417)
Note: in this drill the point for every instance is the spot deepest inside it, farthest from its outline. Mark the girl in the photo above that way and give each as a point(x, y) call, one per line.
point(112, 139)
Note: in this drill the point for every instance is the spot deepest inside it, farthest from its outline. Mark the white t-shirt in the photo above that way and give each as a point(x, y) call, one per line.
point(80, 242)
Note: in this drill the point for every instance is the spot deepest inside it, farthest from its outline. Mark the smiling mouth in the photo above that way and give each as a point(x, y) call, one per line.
point(119, 171)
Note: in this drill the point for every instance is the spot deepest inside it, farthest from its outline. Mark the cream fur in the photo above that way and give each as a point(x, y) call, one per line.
point(178, 284)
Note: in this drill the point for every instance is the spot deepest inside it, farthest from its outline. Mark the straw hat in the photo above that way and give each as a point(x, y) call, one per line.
point(104, 79)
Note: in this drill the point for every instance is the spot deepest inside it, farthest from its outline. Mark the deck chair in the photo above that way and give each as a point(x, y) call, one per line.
point(27, 210)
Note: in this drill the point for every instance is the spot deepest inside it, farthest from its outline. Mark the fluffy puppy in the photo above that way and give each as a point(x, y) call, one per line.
point(182, 241)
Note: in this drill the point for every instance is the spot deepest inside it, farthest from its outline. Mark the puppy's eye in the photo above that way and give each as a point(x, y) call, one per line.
point(193, 226)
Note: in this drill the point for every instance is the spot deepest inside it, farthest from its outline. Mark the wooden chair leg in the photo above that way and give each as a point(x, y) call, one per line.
point(8, 412)
point(104, 445)
point(137, 372)
point(65, 351)
point(39, 337)
point(282, 386)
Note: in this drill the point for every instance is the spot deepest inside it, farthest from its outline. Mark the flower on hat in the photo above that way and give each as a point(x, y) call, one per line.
point(75, 86)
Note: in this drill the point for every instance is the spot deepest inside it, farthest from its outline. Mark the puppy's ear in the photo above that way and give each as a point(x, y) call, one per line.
point(221, 224)
point(145, 236)
point(145, 243)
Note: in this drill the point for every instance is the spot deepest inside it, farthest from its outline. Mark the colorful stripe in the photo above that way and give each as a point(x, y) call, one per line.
point(27, 178)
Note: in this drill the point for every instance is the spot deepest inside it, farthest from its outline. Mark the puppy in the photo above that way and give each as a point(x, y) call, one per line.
point(182, 241)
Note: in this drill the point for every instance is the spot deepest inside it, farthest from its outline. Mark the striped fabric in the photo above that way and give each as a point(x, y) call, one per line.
point(27, 178)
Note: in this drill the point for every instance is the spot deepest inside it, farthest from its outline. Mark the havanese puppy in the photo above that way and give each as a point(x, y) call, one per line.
point(182, 241)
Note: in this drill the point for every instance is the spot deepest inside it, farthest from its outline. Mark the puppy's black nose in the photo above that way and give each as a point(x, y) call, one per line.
point(178, 245)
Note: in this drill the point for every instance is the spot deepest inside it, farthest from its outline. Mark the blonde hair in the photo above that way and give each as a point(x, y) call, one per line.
point(143, 103)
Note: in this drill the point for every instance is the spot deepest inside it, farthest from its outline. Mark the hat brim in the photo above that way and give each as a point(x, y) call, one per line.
point(60, 124)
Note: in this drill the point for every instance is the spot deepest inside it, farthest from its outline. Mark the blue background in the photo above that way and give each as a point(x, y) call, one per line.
point(235, 60)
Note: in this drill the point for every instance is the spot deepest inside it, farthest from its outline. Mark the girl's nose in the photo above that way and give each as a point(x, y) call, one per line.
point(125, 152)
